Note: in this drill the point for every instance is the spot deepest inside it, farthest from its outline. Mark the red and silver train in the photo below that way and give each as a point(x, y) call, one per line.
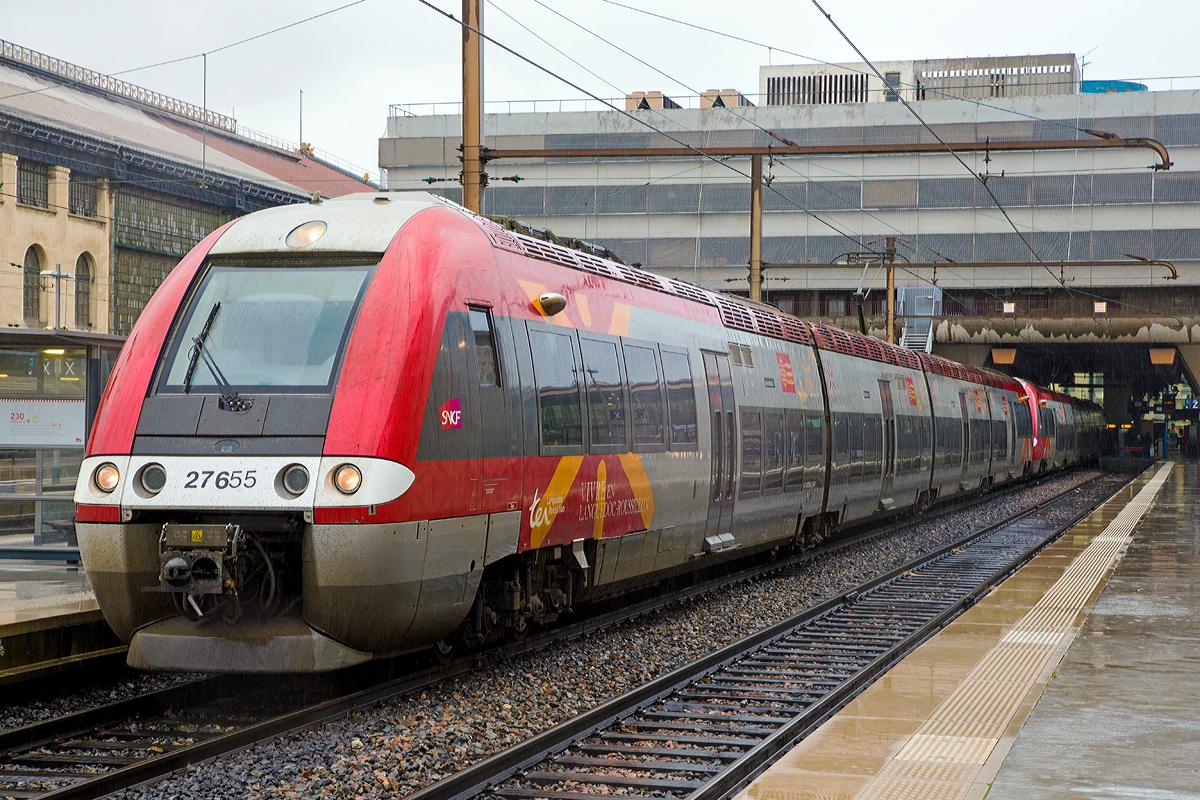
point(380, 424)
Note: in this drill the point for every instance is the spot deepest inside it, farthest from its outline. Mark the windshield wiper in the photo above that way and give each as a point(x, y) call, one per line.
point(229, 395)
point(197, 343)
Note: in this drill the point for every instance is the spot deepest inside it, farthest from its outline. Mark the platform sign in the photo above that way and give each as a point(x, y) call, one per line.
point(42, 422)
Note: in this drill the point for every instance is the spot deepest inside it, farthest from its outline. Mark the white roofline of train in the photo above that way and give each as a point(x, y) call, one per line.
point(364, 222)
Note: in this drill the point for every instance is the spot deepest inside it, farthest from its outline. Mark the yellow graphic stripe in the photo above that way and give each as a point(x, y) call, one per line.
point(639, 484)
point(601, 500)
point(585, 313)
point(554, 500)
point(620, 320)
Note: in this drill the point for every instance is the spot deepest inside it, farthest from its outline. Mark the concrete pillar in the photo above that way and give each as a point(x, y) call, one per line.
point(1116, 404)
point(8, 178)
point(59, 190)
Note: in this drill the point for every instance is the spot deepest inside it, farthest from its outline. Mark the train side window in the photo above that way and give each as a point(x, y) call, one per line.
point(605, 395)
point(645, 395)
point(752, 452)
point(814, 448)
point(856, 445)
point(772, 451)
point(557, 389)
point(485, 346)
point(681, 400)
point(793, 477)
point(841, 439)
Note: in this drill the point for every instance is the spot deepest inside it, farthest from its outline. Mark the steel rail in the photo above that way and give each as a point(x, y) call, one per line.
point(489, 775)
point(88, 726)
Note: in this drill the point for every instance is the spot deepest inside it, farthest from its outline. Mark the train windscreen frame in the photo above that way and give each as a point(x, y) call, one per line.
point(277, 328)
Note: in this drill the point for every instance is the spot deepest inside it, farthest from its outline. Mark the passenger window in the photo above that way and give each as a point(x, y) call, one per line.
point(794, 469)
point(772, 451)
point(485, 346)
point(645, 395)
point(841, 439)
point(681, 400)
point(558, 389)
point(606, 395)
point(815, 448)
point(752, 451)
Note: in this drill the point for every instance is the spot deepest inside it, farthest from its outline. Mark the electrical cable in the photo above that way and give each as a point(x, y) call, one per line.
point(197, 55)
point(941, 141)
point(620, 111)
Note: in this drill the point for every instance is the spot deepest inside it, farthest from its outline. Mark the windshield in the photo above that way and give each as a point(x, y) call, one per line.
point(278, 329)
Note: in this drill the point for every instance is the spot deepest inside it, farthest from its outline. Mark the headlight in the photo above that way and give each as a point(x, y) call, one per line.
point(154, 478)
point(107, 476)
point(347, 479)
point(295, 479)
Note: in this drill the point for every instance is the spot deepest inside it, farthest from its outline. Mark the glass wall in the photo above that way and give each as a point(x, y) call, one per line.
point(43, 430)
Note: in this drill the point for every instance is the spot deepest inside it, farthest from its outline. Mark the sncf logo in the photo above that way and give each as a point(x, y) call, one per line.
point(451, 414)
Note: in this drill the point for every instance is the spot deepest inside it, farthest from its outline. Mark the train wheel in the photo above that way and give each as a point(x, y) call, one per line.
point(518, 632)
point(445, 650)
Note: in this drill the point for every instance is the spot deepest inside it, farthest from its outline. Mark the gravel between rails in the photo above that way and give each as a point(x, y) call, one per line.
point(404, 744)
point(71, 699)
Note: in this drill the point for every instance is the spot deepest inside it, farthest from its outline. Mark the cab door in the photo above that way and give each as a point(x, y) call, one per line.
point(497, 479)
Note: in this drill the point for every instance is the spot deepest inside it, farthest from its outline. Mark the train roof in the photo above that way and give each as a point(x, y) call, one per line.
point(368, 222)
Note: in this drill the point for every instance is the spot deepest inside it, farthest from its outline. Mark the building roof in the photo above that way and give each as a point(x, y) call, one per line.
point(297, 170)
point(46, 100)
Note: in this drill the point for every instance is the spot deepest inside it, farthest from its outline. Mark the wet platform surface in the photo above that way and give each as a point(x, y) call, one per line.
point(943, 721)
point(33, 589)
point(49, 620)
point(1122, 716)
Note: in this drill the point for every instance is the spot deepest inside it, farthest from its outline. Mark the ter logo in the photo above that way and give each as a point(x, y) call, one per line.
point(451, 414)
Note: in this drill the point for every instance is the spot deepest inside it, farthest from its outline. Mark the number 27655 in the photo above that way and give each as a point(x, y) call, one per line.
point(237, 479)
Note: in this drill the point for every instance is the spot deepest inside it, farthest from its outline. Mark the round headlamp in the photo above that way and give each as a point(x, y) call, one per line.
point(347, 479)
point(107, 476)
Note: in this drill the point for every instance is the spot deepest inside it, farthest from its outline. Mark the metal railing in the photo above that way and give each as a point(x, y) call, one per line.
point(280, 143)
point(74, 74)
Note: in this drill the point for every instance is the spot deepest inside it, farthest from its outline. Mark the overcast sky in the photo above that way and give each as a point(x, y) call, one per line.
point(354, 63)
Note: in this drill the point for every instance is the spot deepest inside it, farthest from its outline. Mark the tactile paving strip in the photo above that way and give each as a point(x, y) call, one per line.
point(968, 724)
point(46, 602)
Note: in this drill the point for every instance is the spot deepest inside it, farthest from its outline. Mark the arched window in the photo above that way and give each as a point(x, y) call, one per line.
point(83, 292)
point(31, 303)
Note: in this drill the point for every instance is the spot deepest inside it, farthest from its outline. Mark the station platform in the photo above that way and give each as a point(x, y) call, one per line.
point(1070, 679)
point(49, 620)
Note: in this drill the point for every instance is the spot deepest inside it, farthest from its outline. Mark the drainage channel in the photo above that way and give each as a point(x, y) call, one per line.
point(705, 730)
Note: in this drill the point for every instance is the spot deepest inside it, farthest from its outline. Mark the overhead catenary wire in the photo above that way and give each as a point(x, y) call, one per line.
point(194, 55)
point(620, 111)
point(754, 124)
point(941, 141)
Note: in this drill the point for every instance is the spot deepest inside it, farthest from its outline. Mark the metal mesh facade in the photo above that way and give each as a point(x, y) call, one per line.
point(151, 233)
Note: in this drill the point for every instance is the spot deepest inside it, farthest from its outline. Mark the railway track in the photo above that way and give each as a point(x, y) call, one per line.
point(704, 731)
point(711, 727)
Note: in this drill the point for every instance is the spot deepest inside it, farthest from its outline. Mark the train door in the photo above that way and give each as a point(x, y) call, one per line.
point(499, 474)
point(966, 435)
point(724, 443)
point(889, 442)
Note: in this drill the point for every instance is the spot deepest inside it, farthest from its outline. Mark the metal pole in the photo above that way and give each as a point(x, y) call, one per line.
point(57, 296)
point(301, 122)
point(756, 227)
point(890, 255)
point(472, 110)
